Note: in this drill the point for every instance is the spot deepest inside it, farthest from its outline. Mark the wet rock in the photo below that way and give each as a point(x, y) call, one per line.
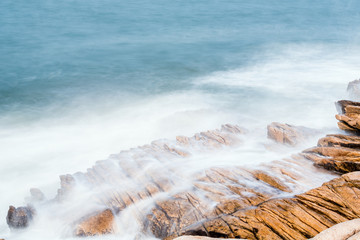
point(336, 152)
point(37, 195)
point(97, 224)
point(67, 183)
point(19, 217)
point(288, 134)
point(299, 217)
point(349, 115)
point(153, 173)
point(271, 180)
point(222, 192)
point(196, 238)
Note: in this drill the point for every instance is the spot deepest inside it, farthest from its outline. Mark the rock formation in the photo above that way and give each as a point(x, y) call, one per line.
point(19, 217)
point(96, 224)
point(349, 118)
point(288, 134)
point(349, 230)
point(299, 217)
point(336, 152)
point(272, 200)
point(149, 172)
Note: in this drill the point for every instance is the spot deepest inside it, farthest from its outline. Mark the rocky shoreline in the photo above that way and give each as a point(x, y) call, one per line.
point(269, 202)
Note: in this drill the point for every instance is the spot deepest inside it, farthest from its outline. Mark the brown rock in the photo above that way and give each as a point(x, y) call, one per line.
point(19, 217)
point(300, 217)
point(224, 199)
point(349, 115)
point(97, 224)
point(271, 180)
point(288, 134)
point(336, 152)
point(195, 238)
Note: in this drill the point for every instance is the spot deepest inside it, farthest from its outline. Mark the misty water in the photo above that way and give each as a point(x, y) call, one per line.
point(80, 80)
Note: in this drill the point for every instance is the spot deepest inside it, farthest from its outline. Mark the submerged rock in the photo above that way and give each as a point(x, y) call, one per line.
point(19, 217)
point(98, 224)
point(288, 134)
point(36, 195)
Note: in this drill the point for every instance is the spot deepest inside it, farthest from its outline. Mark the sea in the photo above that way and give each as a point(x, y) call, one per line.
point(82, 79)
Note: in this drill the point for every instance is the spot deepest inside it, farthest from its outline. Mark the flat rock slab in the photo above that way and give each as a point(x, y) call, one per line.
point(349, 230)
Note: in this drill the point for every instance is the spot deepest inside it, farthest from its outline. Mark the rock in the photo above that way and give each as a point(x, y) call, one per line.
point(37, 195)
point(349, 230)
point(288, 134)
point(19, 217)
point(223, 191)
point(336, 152)
point(299, 217)
point(353, 90)
point(349, 115)
point(97, 224)
point(271, 180)
point(156, 173)
point(195, 238)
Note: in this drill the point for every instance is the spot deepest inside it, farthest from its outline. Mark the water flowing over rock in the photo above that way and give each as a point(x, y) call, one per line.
point(299, 217)
point(288, 134)
point(19, 217)
point(179, 196)
point(229, 190)
point(97, 224)
point(170, 198)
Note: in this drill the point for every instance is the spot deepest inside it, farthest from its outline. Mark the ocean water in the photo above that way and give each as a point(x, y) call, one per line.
point(80, 80)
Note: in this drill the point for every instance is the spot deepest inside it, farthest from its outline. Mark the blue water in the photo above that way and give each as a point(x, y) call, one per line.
point(52, 51)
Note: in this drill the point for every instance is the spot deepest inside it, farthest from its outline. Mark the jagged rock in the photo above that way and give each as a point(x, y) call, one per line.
point(336, 152)
point(349, 230)
point(19, 217)
point(349, 118)
point(299, 217)
point(155, 172)
point(229, 191)
point(97, 224)
point(288, 134)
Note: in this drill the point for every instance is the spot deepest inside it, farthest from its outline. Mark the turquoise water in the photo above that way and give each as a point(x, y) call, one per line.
point(81, 79)
point(52, 51)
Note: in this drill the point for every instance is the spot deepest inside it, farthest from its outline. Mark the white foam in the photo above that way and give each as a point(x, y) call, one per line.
point(303, 82)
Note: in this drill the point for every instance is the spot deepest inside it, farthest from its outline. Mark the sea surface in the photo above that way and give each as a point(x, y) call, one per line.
point(81, 79)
